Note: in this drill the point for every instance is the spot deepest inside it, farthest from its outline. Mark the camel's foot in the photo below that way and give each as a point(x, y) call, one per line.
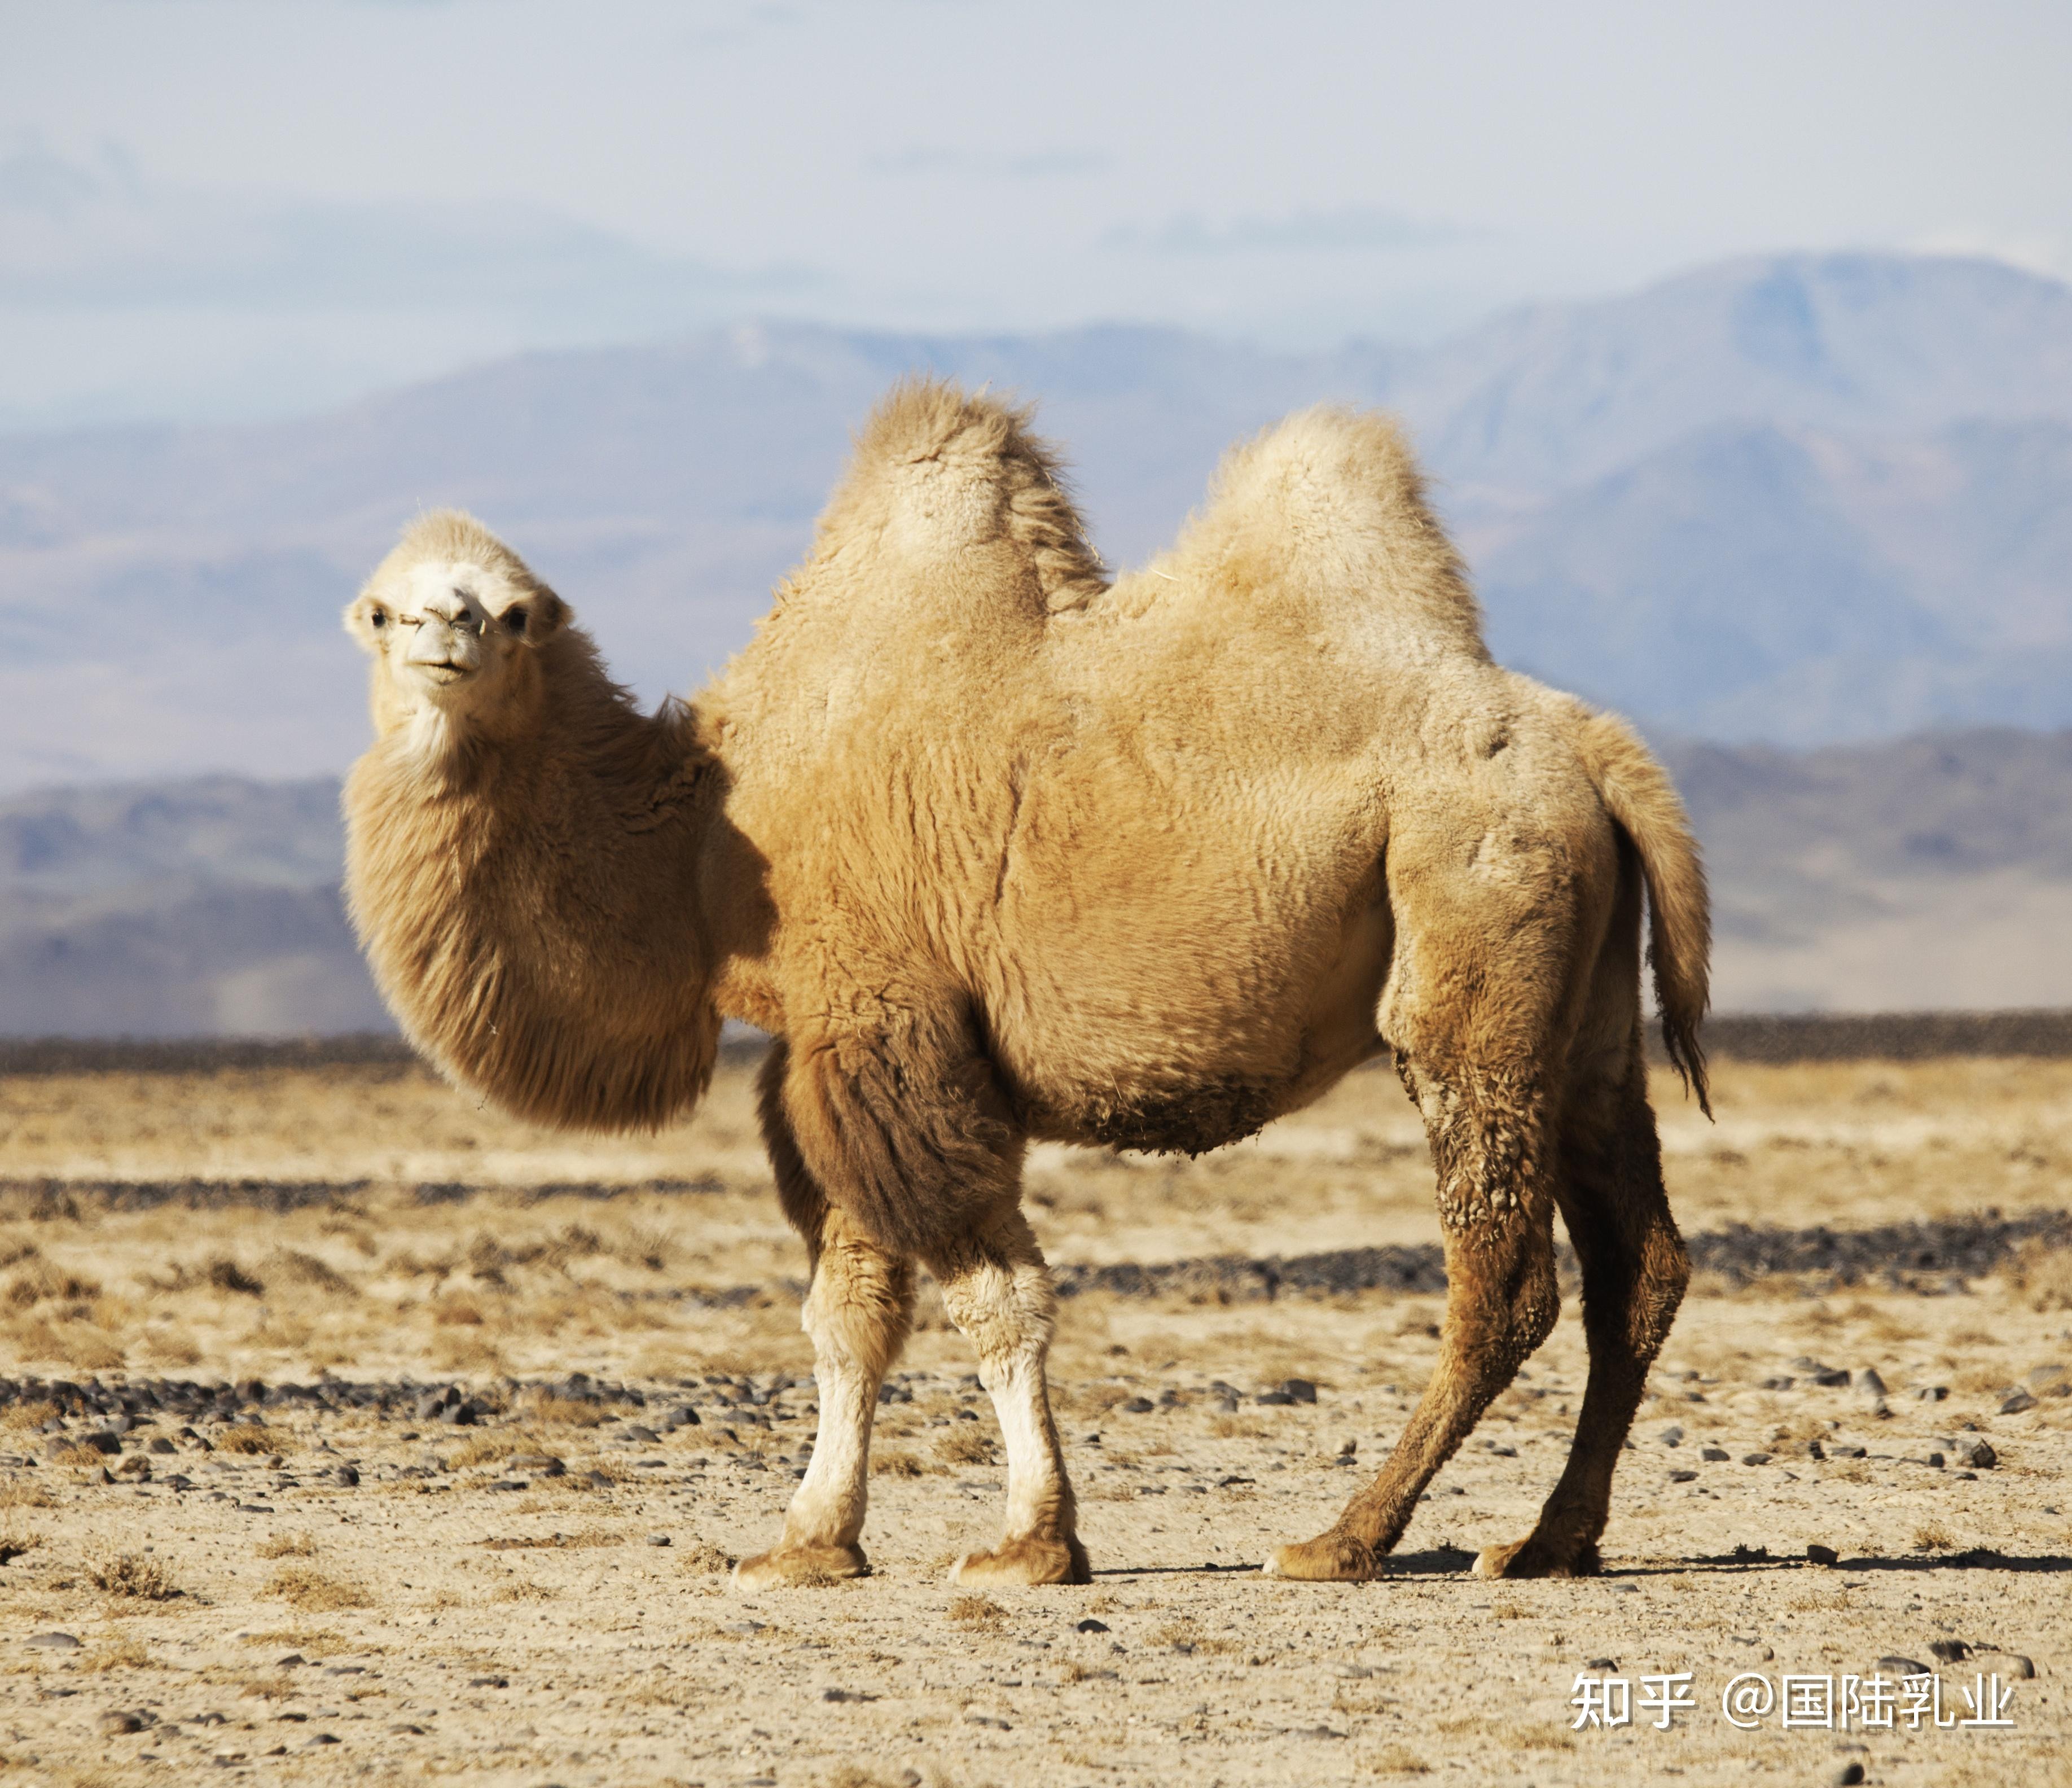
point(1023, 1562)
point(797, 1565)
point(1328, 1558)
point(1537, 1556)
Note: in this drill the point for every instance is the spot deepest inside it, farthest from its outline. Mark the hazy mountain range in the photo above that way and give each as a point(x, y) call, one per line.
point(1798, 499)
point(1934, 872)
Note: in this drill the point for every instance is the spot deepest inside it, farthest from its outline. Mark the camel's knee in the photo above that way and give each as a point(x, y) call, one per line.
point(860, 1306)
point(997, 1288)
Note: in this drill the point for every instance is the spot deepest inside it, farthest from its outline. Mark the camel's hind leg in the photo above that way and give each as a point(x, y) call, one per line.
point(857, 1311)
point(998, 1292)
point(1634, 1270)
point(1488, 1141)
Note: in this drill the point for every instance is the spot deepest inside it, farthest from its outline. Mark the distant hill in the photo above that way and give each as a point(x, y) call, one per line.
point(1801, 498)
point(1930, 872)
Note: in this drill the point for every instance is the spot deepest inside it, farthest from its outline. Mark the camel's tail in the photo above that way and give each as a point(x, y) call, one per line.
point(1638, 795)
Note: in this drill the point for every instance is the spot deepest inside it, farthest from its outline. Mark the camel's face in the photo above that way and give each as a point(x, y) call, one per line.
point(448, 634)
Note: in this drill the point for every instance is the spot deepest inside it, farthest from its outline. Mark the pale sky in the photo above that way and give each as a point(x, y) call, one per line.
point(224, 208)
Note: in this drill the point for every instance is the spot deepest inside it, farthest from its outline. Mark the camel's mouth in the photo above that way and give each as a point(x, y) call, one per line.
point(445, 674)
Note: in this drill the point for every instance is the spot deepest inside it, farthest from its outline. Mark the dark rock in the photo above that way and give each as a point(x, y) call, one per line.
point(1830, 1377)
point(1755, 1459)
point(1847, 1775)
point(1716, 1454)
point(53, 1642)
point(2052, 1380)
point(1136, 1406)
point(1682, 1476)
point(1931, 1393)
point(101, 1441)
point(1671, 1436)
point(1869, 1383)
point(1977, 1454)
point(2015, 1401)
point(2010, 1665)
point(1822, 1555)
point(1847, 1452)
point(347, 1475)
point(1892, 1664)
point(1780, 1382)
point(683, 1416)
point(162, 1445)
point(1949, 1651)
point(1278, 1397)
point(657, 1540)
point(489, 1681)
point(320, 1738)
point(1602, 1663)
point(1299, 1390)
point(639, 1434)
point(124, 1720)
point(845, 1694)
point(1089, 1625)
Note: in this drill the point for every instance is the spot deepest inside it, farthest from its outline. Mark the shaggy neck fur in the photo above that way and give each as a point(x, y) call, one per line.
point(524, 885)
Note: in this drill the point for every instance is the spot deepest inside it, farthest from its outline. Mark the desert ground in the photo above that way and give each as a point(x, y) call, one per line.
point(353, 1433)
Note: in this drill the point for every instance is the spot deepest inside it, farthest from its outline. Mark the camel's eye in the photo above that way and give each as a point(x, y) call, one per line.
point(514, 618)
point(378, 618)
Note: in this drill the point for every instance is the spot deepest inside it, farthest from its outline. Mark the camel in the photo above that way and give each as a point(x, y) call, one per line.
point(1000, 848)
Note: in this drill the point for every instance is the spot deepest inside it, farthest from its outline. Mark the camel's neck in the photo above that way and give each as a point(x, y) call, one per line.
point(526, 894)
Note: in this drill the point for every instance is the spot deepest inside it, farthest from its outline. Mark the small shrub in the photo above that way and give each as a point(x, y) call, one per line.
point(1932, 1537)
point(132, 1574)
point(893, 1462)
point(122, 1652)
point(289, 1545)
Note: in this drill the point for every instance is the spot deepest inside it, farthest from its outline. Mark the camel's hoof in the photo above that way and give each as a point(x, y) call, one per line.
point(1535, 1557)
point(1328, 1558)
point(1025, 1562)
point(800, 1566)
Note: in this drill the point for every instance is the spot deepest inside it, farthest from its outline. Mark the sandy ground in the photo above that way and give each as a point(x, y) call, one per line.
point(494, 1602)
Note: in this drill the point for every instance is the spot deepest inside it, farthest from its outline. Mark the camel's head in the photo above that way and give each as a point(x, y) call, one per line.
point(453, 620)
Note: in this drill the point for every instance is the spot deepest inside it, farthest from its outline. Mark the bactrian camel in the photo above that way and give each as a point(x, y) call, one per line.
point(998, 850)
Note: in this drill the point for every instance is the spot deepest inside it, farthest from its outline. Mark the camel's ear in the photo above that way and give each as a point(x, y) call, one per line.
point(368, 619)
point(536, 617)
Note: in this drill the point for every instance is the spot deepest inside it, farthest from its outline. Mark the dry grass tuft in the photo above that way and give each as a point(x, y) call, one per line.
point(544, 1407)
point(2044, 1277)
point(706, 1561)
point(132, 1574)
point(249, 1437)
point(1395, 1760)
point(25, 1492)
point(121, 1652)
point(223, 1274)
point(30, 1416)
point(894, 1463)
point(312, 1589)
point(1932, 1536)
point(298, 1268)
point(978, 1614)
point(965, 1445)
point(289, 1545)
point(45, 1281)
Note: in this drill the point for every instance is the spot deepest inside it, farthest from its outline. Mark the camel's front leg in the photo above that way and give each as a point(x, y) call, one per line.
point(857, 1311)
point(998, 1292)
